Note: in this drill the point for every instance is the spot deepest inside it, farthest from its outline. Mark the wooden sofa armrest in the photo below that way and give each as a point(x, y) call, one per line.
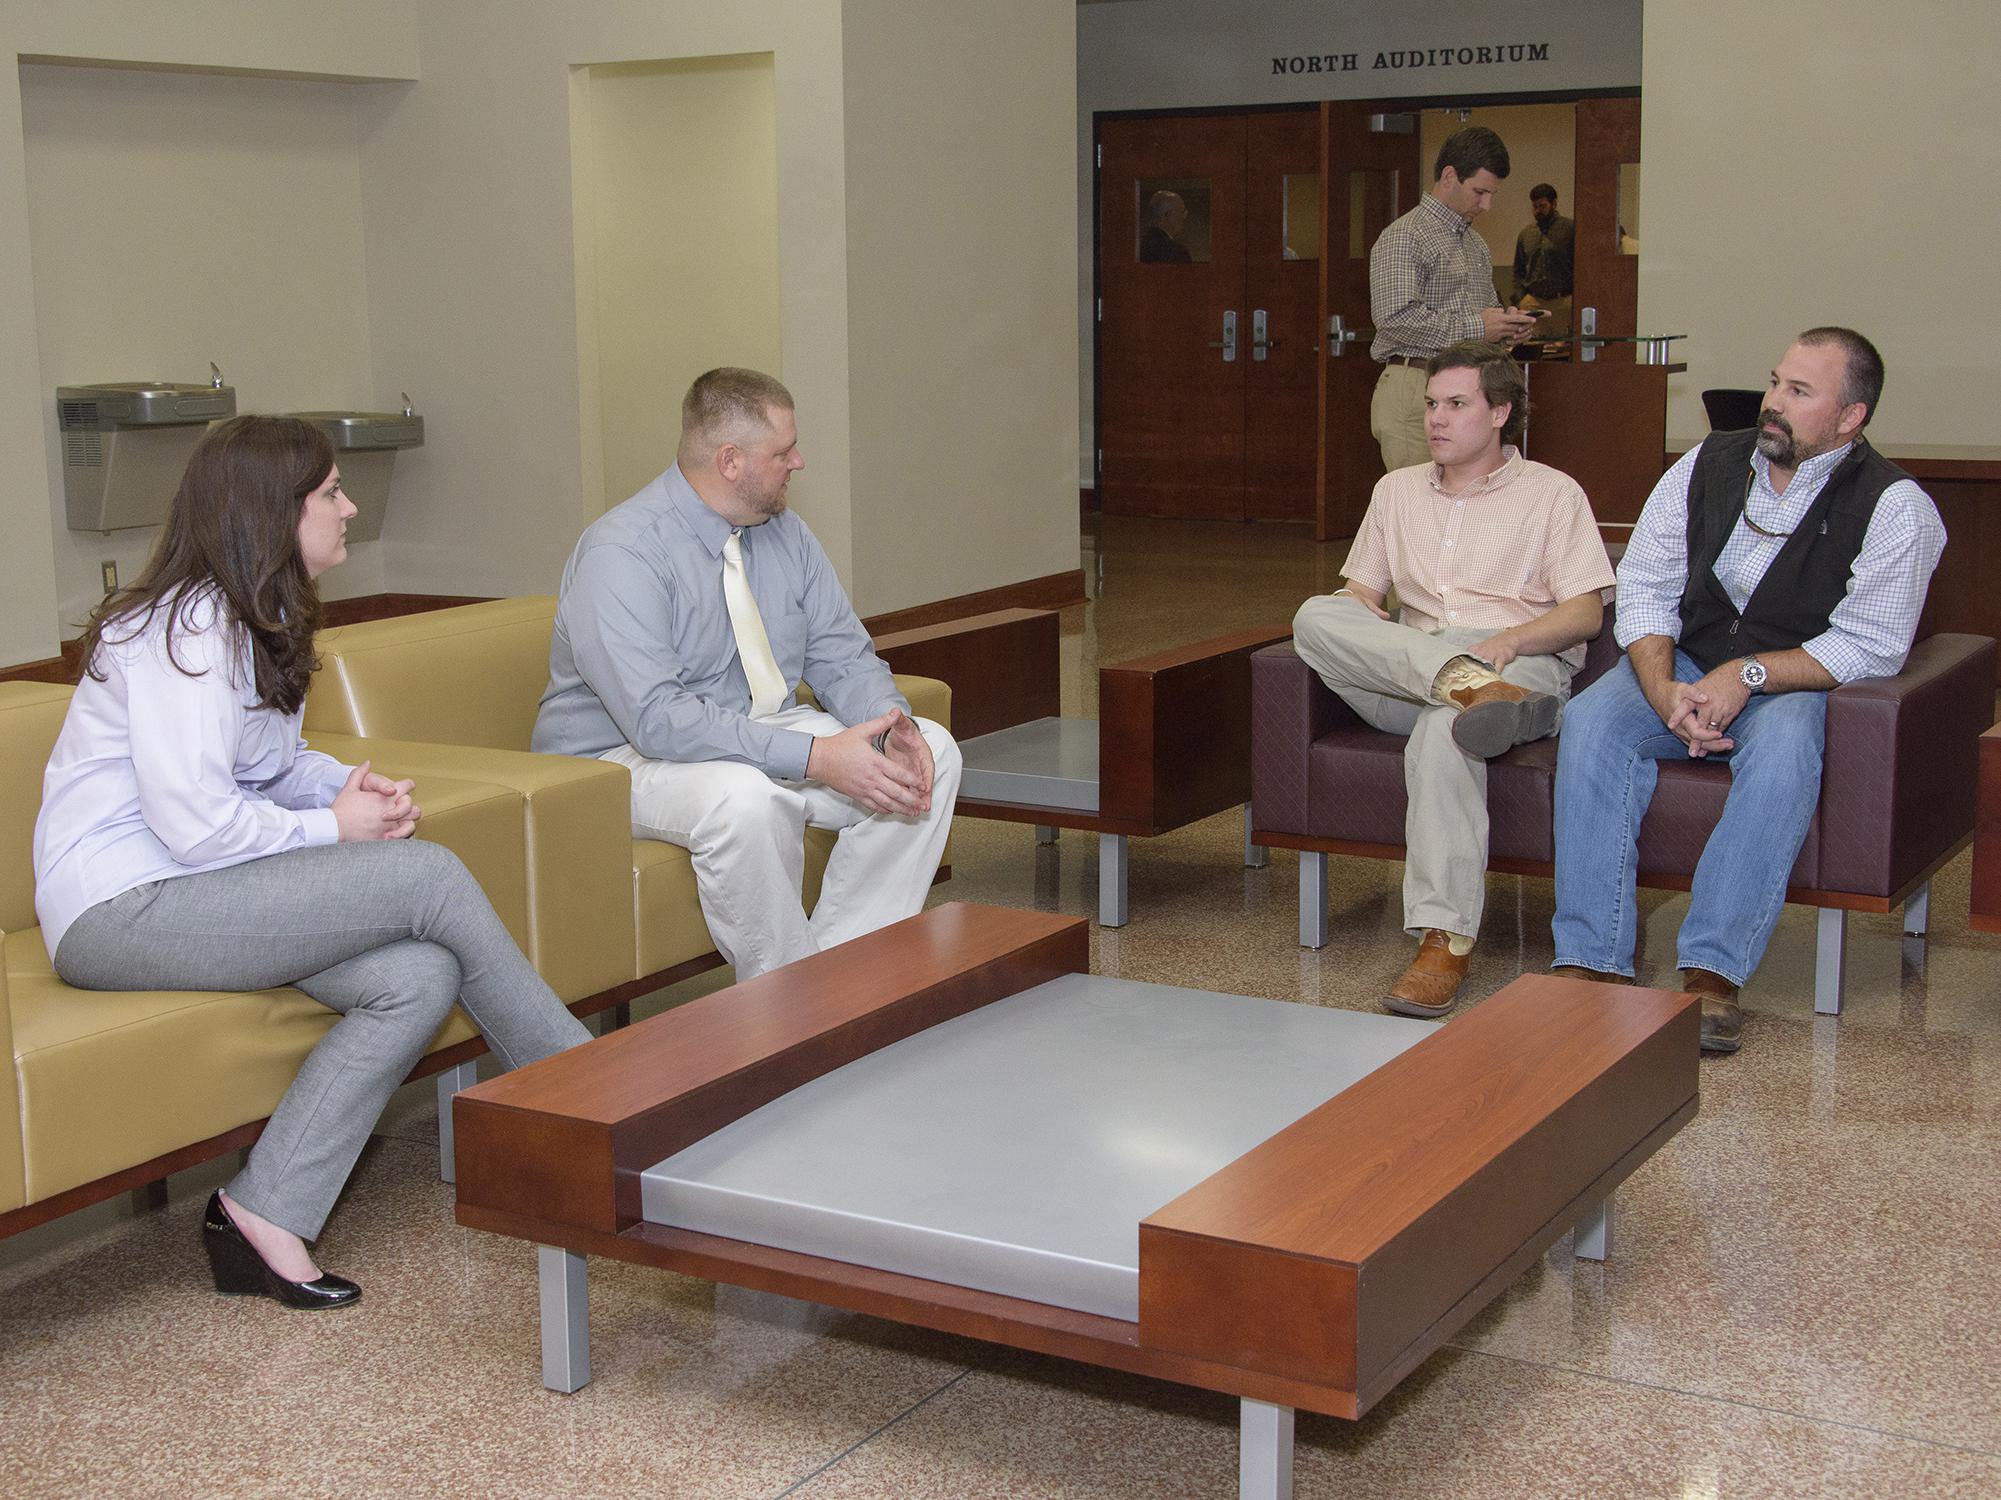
point(1002, 668)
point(1290, 709)
point(1897, 788)
point(1174, 730)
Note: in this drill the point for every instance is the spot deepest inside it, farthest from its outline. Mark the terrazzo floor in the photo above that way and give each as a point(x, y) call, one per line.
point(1802, 1299)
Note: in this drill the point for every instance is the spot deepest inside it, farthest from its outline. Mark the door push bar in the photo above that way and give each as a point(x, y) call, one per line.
point(1261, 341)
point(1339, 336)
point(1228, 342)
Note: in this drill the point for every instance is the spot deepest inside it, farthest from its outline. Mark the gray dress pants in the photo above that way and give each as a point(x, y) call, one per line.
point(390, 934)
point(1384, 671)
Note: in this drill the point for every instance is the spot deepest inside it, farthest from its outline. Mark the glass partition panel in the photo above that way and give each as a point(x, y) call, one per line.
point(1301, 229)
point(1629, 208)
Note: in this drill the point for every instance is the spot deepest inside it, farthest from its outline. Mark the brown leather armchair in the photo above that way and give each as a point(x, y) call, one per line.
point(1896, 798)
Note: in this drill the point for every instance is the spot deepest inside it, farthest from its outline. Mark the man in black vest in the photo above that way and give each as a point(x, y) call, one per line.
point(1767, 567)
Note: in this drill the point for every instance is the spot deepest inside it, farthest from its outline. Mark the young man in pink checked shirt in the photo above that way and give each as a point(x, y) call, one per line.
point(1501, 576)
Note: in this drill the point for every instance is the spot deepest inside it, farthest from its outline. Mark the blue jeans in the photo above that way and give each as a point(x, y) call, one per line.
point(1606, 767)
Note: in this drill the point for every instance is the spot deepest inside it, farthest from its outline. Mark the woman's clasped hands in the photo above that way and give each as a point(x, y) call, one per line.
point(371, 806)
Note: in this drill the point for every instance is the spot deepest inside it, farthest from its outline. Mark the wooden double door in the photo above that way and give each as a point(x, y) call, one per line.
point(1233, 323)
point(1208, 242)
point(1216, 377)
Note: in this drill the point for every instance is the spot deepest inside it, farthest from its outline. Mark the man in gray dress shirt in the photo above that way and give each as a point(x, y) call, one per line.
point(688, 617)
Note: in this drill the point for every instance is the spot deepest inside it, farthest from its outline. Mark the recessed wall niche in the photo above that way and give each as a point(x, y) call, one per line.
point(675, 166)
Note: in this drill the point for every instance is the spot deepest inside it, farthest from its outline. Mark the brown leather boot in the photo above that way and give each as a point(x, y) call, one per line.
point(1722, 1018)
point(1496, 716)
point(1428, 988)
point(1578, 971)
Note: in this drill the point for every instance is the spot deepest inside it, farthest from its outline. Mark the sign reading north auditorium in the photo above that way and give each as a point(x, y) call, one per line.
point(1423, 57)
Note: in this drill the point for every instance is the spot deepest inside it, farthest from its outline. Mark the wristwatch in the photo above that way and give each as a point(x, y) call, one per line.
point(1751, 672)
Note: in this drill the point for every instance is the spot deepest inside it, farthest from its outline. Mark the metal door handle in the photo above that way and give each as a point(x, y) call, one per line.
point(1339, 336)
point(1228, 342)
point(1260, 344)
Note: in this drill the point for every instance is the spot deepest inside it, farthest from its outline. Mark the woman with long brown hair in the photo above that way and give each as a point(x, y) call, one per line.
point(189, 840)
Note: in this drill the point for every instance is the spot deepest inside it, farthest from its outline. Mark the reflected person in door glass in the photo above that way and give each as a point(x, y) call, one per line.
point(1431, 283)
point(1501, 577)
point(1545, 254)
point(1166, 217)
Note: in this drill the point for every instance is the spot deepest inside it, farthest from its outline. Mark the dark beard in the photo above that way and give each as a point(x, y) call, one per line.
point(1779, 447)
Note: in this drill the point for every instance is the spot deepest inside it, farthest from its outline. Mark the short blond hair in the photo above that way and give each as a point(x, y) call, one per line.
point(727, 405)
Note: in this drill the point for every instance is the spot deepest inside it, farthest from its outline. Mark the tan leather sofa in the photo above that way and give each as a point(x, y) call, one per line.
point(472, 677)
point(113, 1091)
point(108, 1091)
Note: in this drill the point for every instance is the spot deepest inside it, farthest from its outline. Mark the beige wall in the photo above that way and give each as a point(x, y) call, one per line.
point(1809, 163)
point(469, 213)
point(177, 218)
point(661, 147)
point(943, 274)
point(962, 249)
point(360, 38)
point(473, 301)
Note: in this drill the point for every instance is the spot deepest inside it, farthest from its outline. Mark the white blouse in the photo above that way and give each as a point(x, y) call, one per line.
point(157, 773)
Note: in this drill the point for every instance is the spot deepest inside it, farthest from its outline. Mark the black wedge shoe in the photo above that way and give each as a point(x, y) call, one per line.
point(241, 1272)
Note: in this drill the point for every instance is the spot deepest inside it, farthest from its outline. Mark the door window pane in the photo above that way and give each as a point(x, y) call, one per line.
point(1172, 220)
point(1301, 230)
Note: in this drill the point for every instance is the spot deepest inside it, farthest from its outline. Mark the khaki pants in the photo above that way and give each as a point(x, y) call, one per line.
point(1396, 416)
point(1384, 672)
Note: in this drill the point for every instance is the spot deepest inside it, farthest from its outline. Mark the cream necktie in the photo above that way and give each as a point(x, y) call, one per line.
point(753, 646)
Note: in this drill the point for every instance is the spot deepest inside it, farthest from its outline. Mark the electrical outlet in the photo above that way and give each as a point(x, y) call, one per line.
point(108, 571)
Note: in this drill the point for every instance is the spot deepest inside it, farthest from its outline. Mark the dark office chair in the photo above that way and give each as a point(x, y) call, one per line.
point(1732, 411)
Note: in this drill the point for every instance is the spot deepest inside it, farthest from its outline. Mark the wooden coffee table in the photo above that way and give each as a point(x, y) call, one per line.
point(1314, 1266)
point(1171, 745)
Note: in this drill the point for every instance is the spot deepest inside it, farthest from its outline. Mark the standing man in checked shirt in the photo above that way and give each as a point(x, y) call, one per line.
point(1431, 283)
point(1767, 567)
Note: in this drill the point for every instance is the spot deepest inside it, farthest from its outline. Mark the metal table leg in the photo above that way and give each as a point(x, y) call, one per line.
point(1918, 911)
point(1112, 880)
point(1312, 899)
point(464, 1076)
point(1256, 856)
point(1830, 960)
point(566, 1319)
point(1593, 1240)
point(1264, 1452)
